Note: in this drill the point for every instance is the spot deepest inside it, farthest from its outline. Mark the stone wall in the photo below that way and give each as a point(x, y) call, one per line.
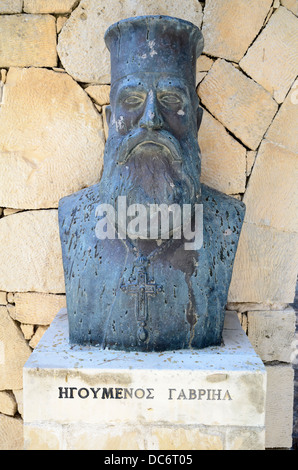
point(54, 86)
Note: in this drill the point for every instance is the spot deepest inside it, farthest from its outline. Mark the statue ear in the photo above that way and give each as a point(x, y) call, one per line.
point(108, 113)
point(199, 117)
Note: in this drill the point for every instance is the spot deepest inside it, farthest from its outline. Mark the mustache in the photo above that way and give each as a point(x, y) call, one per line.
point(143, 136)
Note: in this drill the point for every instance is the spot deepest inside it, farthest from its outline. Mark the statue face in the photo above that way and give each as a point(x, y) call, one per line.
point(152, 154)
point(151, 108)
point(152, 103)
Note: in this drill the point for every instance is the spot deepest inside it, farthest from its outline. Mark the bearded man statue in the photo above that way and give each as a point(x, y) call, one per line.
point(148, 252)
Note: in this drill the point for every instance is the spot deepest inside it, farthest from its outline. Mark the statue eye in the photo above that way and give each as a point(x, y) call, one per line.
point(134, 100)
point(170, 99)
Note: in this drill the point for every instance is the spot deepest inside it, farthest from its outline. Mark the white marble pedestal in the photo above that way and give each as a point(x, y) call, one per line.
point(79, 398)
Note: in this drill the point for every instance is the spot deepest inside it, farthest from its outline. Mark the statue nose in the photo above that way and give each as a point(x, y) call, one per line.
point(151, 118)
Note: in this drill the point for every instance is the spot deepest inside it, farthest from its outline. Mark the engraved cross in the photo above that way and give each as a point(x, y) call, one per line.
point(142, 287)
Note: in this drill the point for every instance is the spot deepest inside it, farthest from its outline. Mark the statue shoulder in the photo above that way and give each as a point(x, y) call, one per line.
point(223, 214)
point(74, 208)
point(216, 201)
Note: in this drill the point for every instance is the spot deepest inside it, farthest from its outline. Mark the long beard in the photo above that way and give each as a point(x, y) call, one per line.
point(153, 179)
point(149, 172)
point(151, 168)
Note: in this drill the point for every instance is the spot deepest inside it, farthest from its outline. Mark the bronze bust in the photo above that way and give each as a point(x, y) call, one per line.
point(131, 288)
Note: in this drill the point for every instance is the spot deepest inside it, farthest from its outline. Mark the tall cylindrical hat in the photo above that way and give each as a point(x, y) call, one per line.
point(154, 44)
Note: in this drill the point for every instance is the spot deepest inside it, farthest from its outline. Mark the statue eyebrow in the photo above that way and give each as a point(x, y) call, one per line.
point(171, 85)
point(170, 90)
point(130, 87)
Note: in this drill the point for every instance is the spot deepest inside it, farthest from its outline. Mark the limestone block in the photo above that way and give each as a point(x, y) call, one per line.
point(8, 404)
point(81, 46)
point(3, 300)
point(230, 27)
point(265, 268)
point(271, 197)
point(243, 320)
point(204, 63)
point(240, 104)
point(32, 260)
point(37, 308)
point(11, 6)
point(61, 20)
point(291, 5)
point(19, 398)
point(11, 433)
point(279, 406)
point(3, 75)
point(49, 6)
point(37, 336)
point(100, 93)
point(283, 130)
point(14, 352)
point(272, 60)
point(223, 158)
point(28, 40)
point(7, 211)
point(51, 139)
point(28, 331)
point(271, 333)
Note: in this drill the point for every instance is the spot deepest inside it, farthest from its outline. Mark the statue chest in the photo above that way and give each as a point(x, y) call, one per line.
point(120, 301)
